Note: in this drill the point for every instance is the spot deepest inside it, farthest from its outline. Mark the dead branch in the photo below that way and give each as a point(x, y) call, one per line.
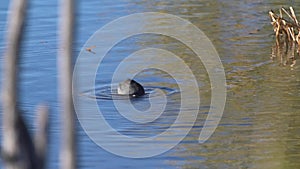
point(41, 136)
point(282, 26)
point(287, 31)
point(68, 149)
point(18, 150)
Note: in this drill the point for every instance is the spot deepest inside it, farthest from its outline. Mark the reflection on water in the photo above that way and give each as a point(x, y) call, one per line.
point(285, 53)
point(260, 127)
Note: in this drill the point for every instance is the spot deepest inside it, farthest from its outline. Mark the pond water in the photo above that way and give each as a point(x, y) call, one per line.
point(260, 126)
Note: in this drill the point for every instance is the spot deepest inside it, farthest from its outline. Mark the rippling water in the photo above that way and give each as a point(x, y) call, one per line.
point(260, 127)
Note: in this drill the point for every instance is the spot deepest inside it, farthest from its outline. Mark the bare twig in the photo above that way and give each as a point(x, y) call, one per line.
point(283, 26)
point(294, 16)
point(90, 49)
point(287, 13)
point(41, 136)
point(68, 149)
point(287, 32)
point(18, 150)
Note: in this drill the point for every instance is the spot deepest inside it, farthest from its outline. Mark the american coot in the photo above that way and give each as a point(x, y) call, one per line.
point(131, 88)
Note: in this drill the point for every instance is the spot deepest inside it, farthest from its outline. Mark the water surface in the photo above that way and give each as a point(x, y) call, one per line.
point(260, 127)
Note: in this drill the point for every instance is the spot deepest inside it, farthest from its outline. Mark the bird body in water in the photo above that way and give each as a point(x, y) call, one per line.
point(131, 88)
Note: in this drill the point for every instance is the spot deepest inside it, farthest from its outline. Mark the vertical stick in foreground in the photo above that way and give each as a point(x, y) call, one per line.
point(68, 153)
point(18, 150)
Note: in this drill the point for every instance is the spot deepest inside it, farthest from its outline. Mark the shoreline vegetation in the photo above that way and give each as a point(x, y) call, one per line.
point(287, 32)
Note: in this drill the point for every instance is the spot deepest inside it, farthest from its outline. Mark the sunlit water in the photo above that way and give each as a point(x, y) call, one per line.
point(260, 127)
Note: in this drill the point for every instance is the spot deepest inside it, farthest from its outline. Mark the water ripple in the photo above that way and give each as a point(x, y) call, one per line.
point(108, 92)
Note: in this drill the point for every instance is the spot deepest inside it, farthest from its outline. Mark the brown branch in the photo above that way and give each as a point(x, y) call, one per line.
point(276, 18)
point(287, 33)
point(294, 16)
point(287, 13)
point(281, 26)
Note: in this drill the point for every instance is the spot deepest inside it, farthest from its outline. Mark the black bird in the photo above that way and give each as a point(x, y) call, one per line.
point(131, 88)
